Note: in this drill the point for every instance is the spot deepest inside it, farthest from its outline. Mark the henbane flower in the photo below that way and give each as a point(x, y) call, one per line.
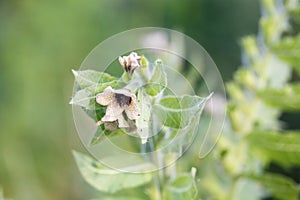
point(130, 62)
point(121, 109)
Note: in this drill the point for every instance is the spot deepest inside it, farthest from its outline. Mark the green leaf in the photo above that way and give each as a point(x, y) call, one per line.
point(83, 98)
point(87, 78)
point(158, 81)
point(282, 148)
point(144, 61)
point(288, 49)
point(182, 188)
point(105, 179)
point(250, 47)
point(154, 89)
point(280, 186)
point(100, 135)
point(245, 77)
point(178, 112)
point(273, 23)
point(286, 98)
point(178, 139)
point(86, 97)
point(98, 110)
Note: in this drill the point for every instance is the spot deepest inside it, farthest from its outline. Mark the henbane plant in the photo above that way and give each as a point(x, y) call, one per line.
point(138, 105)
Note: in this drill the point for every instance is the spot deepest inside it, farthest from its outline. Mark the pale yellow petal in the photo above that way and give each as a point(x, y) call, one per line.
point(109, 118)
point(114, 109)
point(122, 122)
point(132, 111)
point(106, 97)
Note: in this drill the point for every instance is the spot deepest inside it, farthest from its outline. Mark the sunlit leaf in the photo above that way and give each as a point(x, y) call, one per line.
point(288, 49)
point(245, 77)
point(86, 97)
point(273, 23)
point(282, 148)
point(250, 47)
point(280, 186)
point(144, 61)
point(87, 78)
point(178, 112)
point(158, 81)
point(153, 89)
point(105, 179)
point(83, 98)
point(286, 98)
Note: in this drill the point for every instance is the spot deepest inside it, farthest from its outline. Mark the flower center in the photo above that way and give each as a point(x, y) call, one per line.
point(122, 99)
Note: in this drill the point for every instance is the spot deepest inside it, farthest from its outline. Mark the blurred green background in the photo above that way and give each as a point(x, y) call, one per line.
point(41, 41)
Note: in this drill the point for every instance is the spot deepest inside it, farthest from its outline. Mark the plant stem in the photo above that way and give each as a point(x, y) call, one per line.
point(156, 178)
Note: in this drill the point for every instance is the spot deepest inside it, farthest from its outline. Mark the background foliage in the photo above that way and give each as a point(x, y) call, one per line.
point(40, 41)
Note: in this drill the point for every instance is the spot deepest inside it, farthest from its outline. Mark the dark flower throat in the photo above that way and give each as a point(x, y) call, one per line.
point(122, 99)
